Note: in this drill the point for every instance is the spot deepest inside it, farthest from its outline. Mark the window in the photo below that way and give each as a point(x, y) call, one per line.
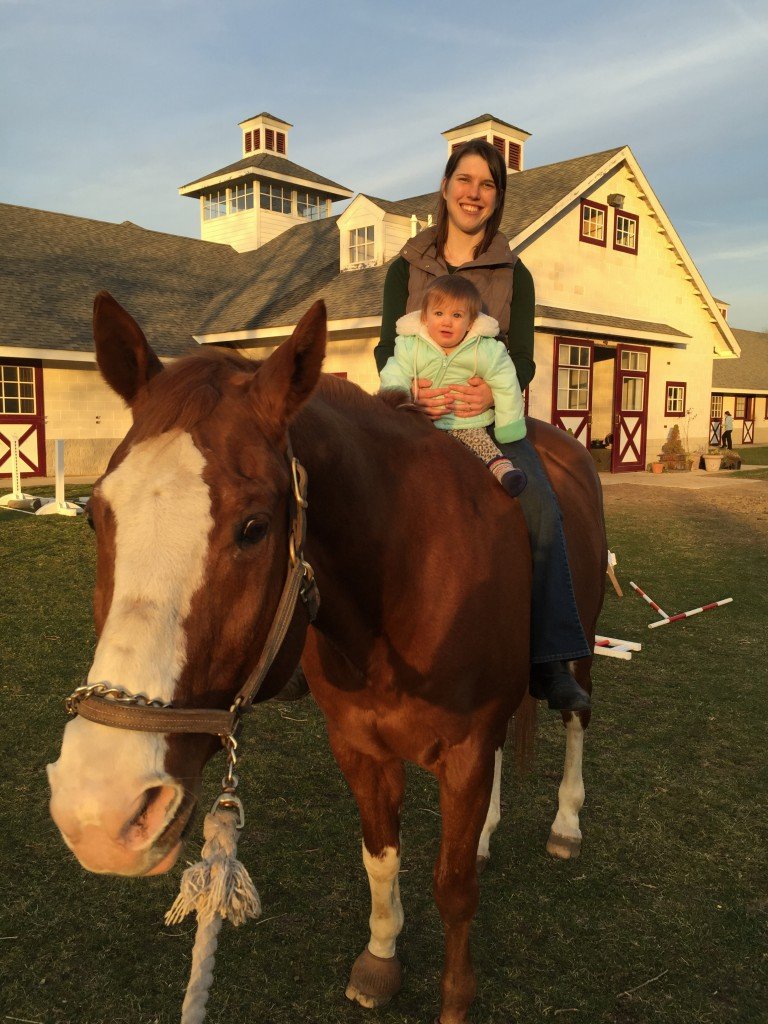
point(515, 156)
point(716, 407)
point(593, 217)
point(625, 231)
point(740, 407)
point(215, 205)
point(269, 138)
point(311, 205)
point(281, 142)
point(573, 377)
point(634, 361)
point(361, 245)
point(248, 142)
point(275, 197)
point(675, 403)
point(17, 390)
point(632, 390)
point(499, 144)
point(256, 138)
point(242, 198)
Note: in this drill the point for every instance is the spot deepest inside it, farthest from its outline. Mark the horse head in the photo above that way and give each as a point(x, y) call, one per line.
point(191, 523)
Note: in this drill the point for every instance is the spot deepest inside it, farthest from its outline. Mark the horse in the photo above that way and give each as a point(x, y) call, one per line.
point(419, 650)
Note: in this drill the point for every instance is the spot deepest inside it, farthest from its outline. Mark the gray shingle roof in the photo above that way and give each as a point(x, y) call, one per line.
point(750, 372)
point(602, 320)
point(481, 119)
point(358, 293)
point(52, 265)
point(281, 165)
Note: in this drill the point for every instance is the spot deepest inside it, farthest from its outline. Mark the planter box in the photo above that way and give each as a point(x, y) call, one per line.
point(711, 462)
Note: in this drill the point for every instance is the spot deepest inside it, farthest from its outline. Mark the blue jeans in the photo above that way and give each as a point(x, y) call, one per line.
point(556, 630)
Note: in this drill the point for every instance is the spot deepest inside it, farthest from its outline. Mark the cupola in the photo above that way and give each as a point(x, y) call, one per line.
point(508, 139)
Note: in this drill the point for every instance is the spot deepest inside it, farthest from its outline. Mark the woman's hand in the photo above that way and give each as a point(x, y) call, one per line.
point(433, 402)
point(472, 398)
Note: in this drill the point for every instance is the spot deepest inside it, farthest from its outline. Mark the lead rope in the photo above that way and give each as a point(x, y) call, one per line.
point(217, 887)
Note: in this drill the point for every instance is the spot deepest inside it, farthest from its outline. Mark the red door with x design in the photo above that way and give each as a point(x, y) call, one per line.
point(22, 418)
point(630, 404)
point(572, 388)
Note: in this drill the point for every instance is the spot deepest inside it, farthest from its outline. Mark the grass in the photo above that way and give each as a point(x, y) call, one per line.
point(663, 919)
point(753, 455)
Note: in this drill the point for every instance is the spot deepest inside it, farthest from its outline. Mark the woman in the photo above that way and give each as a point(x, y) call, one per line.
point(466, 240)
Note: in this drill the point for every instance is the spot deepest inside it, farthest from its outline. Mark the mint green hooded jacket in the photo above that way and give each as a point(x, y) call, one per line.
point(481, 354)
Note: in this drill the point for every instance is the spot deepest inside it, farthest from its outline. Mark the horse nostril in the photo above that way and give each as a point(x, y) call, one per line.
point(153, 812)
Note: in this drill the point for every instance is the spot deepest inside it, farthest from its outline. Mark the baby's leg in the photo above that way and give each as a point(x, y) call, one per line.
point(479, 441)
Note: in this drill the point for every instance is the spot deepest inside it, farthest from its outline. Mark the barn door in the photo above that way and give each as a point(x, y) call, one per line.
point(21, 415)
point(630, 402)
point(716, 420)
point(572, 386)
point(748, 424)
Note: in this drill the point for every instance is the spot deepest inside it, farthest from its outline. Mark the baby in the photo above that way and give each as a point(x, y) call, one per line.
point(449, 341)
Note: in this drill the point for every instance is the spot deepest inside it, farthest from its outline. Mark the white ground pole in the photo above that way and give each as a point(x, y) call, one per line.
point(16, 494)
point(59, 505)
point(613, 648)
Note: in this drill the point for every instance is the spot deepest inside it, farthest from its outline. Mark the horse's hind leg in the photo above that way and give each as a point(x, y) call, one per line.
point(494, 814)
point(378, 788)
point(565, 834)
point(466, 781)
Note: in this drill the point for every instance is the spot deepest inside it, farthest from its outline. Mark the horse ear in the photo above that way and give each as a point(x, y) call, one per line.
point(126, 361)
point(287, 379)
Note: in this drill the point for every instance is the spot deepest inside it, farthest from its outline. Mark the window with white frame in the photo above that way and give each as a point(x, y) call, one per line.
point(675, 402)
point(242, 198)
point(361, 249)
point(592, 224)
point(740, 408)
point(17, 390)
point(215, 205)
point(275, 197)
point(625, 231)
point(573, 377)
point(716, 407)
point(311, 205)
point(632, 360)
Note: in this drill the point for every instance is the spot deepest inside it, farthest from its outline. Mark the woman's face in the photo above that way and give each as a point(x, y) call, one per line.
point(470, 194)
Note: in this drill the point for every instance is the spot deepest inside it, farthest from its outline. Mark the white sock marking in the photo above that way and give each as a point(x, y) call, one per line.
point(386, 919)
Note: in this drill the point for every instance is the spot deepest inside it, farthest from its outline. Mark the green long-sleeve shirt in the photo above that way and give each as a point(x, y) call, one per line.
point(521, 313)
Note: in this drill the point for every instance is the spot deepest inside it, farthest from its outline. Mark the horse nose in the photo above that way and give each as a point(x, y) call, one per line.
point(110, 834)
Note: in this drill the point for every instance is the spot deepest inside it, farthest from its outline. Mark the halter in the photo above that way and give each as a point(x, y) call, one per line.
point(114, 706)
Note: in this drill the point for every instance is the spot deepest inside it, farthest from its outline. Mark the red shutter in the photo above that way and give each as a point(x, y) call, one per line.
point(499, 144)
point(515, 152)
point(248, 142)
point(281, 142)
point(455, 146)
point(269, 138)
point(257, 139)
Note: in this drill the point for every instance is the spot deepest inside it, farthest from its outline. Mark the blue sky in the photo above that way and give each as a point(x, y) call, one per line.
point(109, 106)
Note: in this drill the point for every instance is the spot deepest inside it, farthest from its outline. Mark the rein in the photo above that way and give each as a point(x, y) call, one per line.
point(111, 705)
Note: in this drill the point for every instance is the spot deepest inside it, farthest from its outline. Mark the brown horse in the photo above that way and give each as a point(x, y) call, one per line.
point(420, 650)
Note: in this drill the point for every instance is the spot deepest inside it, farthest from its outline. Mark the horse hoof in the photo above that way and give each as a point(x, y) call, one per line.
point(563, 847)
point(374, 980)
point(482, 864)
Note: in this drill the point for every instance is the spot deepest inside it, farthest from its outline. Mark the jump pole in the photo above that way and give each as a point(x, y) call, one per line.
point(59, 505)
point(687, 615)
point(653, 604)
point(17, 499)
point(613, 648)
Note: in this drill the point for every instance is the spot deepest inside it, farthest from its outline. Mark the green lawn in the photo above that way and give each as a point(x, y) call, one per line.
point(663, 918)
point(753, 455)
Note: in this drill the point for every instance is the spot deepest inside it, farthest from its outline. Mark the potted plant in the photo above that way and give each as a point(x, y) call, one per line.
point(712, 460)
point(673, 456)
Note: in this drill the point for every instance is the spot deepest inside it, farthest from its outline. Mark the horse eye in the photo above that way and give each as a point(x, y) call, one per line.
point(253, 530)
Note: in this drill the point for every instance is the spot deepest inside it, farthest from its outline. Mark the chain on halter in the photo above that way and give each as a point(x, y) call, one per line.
point(109, 692)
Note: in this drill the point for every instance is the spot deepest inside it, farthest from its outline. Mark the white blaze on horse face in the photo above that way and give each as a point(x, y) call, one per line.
point(162, 511)
point(386, 919)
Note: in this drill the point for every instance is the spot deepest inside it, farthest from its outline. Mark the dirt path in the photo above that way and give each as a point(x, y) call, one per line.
point(742, 503)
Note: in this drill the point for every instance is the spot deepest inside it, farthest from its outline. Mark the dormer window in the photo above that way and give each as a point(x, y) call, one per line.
point(593, 221)
point(625, 231)
point(361, 247)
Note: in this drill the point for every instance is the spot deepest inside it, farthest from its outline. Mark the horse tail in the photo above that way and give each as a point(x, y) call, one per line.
point(523, 732)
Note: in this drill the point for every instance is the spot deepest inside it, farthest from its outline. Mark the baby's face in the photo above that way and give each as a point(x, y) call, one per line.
point(447, 323)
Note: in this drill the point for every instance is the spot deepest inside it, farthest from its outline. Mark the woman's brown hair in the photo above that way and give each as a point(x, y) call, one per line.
point(495, 161)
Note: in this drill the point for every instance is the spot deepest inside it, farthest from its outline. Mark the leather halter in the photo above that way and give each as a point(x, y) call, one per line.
point(136, 712)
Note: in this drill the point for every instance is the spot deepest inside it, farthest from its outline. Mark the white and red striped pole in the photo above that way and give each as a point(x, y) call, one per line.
point(687, 615)
point(645, 597)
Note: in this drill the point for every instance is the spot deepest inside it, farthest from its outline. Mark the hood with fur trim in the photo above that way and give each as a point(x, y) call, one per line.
point(483, 326)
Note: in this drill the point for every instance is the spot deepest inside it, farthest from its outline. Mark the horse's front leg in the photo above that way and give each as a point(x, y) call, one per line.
point(466, 781)
point(378, 788)
point(565, 834)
